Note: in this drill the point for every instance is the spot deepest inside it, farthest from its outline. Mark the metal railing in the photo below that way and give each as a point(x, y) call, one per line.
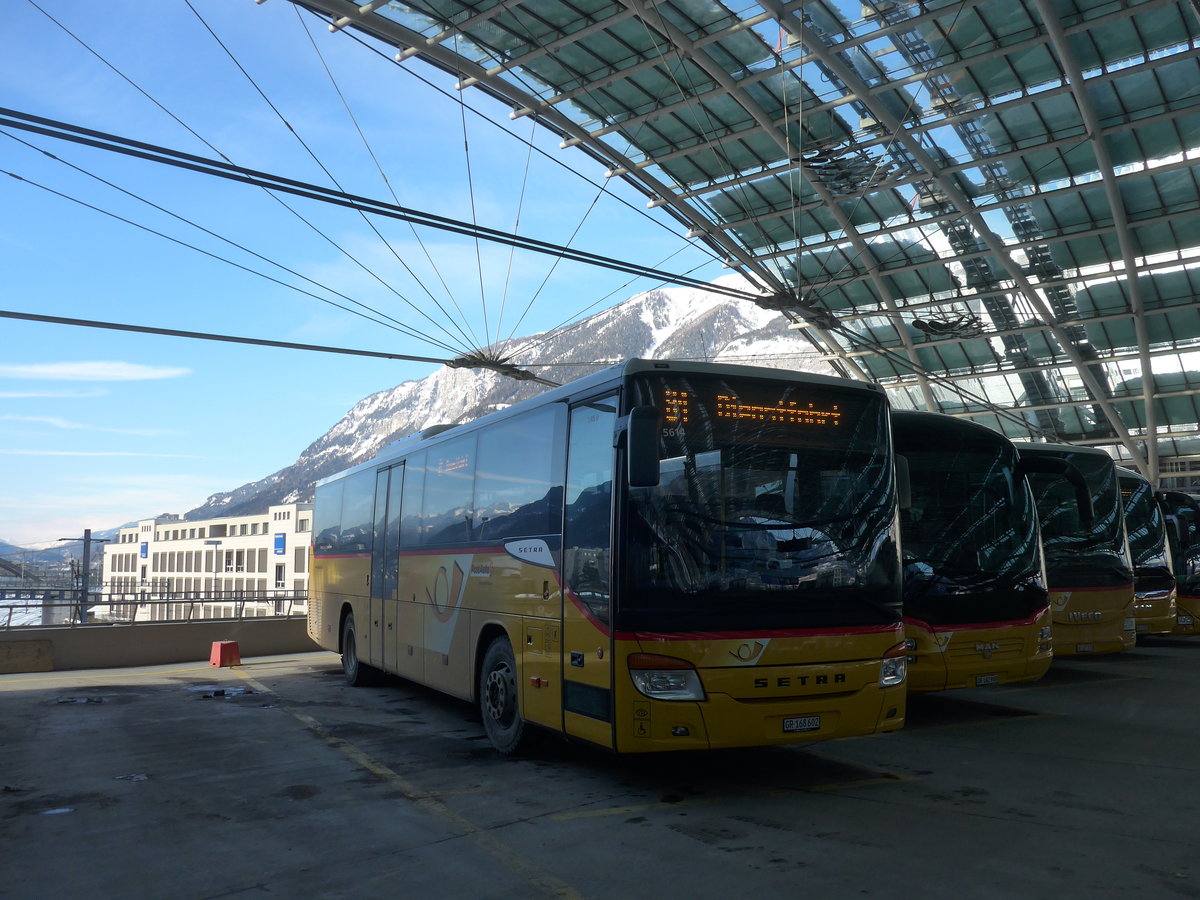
point(26, 608)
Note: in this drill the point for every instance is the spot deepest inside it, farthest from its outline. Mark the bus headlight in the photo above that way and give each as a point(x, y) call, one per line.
point(665, 677)
point(894, 666)
point(1130, 625)
point(1045, 633)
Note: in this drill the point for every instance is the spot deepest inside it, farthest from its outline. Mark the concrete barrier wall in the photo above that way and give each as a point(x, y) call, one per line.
point(145, 644)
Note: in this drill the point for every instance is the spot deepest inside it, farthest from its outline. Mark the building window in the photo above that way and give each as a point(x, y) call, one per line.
point(302, 525)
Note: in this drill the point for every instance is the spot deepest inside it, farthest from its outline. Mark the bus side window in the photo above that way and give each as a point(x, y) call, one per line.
point(327, 517)
point(586, 538)
point(358, 506)
point(414, 494)
point(518, 479)
point(449, 514)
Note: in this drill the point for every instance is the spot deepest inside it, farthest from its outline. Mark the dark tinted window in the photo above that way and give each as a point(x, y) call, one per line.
point(358, 506)
point(414, 492)
point(327, 517)
point(449, 516)
point(519, 475)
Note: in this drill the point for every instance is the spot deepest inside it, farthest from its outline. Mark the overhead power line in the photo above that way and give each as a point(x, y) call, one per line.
point(153, 153)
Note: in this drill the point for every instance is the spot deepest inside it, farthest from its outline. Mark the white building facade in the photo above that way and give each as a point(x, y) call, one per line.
point(261, 558)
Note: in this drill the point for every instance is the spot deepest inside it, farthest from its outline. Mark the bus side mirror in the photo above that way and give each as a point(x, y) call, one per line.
point(1049, 465)
point(903, 482)
point(641, 446)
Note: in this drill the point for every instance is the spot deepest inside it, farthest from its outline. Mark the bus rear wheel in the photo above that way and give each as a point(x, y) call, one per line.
point(499, 699)
point(356, 671)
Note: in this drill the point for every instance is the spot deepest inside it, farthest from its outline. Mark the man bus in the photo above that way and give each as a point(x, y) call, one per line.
point(660, 556)
point(1154, 593)
point(976, 607)
point(1088, 567)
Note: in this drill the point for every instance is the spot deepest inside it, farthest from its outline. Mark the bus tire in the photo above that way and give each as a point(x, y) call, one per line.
point(499, 702)
point(356, 671)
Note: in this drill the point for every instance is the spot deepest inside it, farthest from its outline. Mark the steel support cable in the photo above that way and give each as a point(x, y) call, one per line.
point(700, 57)
point(153, 153)
point(793, 30)
point(471, 341)
point(211, 255)
point(462, 115)
point(204, 336)
point(976, 221)
point(693, 105)
point(354, 36)
point(602, 189)
point(884, 290)
point(512, 253)
point(386, 321)
point(374, 159)
point(563, 328)
point(215, 150)
point(525, 103)
point(1125, 240)
point(703, 60)
point(916, 369)
point(469, 361)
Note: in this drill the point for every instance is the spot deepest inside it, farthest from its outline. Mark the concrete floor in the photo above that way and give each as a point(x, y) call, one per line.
point(276, 779)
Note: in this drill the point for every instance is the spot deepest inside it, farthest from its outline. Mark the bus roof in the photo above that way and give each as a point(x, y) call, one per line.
point(614, 375)
point(924, 418)
point(1030, 447)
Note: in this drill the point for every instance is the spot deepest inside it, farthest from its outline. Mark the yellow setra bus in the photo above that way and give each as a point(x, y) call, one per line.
point(976, 606)
point(661, 556)
point(1088, 566)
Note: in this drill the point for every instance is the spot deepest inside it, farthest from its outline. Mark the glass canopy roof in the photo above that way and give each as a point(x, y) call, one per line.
point(992, 207)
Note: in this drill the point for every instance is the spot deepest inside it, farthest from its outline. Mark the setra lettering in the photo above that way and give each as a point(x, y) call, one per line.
point(784, 681)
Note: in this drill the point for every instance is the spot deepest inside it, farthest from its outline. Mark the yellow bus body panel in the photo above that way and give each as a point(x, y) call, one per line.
point(1090, 621)
point(1187, 618)
point(1157, 614)
point(950, 657)
point(434, 633)
point(753, 684)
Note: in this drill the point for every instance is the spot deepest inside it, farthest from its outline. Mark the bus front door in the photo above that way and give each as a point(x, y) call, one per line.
point(383, 623)
point(587, 574)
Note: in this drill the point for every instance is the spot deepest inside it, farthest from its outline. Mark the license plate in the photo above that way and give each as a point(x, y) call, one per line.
point(1184, 620)
point(981, 680)
point(1084, 648)
point(801, 723)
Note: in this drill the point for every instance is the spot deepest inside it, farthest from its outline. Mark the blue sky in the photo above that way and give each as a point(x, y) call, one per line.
point(101, 427)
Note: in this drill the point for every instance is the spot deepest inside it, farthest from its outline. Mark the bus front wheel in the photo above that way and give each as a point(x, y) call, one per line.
point(498, 699)
point(357, 672)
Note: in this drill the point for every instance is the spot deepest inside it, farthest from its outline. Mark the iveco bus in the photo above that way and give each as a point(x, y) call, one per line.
point(976, 608)
point(1154, 606)
point(1088, 566)
point(660, 556)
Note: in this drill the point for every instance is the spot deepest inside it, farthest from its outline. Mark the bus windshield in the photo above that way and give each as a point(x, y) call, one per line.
point(775, 509)
point(1095, 556)
point(1144, 524)
point(970, 535)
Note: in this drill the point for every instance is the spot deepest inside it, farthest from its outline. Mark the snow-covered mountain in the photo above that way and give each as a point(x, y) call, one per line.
point(676, 323)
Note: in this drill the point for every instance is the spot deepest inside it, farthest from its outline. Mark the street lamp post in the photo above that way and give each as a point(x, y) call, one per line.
point(216, 545)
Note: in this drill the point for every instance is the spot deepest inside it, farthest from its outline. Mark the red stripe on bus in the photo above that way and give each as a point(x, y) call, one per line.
point(976, 626)
point(757, 633)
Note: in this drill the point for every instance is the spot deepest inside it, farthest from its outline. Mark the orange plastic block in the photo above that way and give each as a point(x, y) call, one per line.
point(225, 653)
